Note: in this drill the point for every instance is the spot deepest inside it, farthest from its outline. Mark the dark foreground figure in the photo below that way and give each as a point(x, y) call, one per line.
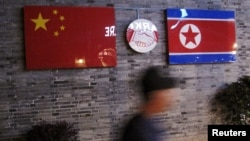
point(158, 92)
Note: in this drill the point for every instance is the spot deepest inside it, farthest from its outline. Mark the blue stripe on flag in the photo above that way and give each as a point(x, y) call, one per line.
point(201, 58)
point(201, 14)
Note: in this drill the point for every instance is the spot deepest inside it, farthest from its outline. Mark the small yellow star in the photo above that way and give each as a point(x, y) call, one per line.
point(40, 22)
point(62, 18)
point(62, 27)
point(56, 33)
point(55, 12)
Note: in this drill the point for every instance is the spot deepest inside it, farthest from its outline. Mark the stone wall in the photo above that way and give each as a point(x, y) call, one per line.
point(100, 100)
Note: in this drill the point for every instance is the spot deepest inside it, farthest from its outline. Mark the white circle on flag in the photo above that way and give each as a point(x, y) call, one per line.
point(190, 36)
point(142, 35)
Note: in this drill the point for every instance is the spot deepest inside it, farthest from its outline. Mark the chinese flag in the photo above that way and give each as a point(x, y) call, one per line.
point(201, 36)
point(69, 37)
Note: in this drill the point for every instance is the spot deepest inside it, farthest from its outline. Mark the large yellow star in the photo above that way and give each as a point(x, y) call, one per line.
point(40, 22)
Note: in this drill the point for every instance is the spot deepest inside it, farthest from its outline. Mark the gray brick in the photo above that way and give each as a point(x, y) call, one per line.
point(101, 100)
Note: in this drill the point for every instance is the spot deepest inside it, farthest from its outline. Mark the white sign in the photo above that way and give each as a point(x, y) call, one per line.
point(142, 35)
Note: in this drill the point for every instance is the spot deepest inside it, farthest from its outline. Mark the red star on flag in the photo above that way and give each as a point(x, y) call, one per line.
point(190, 35)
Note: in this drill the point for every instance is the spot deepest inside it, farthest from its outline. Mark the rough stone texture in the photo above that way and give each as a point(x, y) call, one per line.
point(100, 101)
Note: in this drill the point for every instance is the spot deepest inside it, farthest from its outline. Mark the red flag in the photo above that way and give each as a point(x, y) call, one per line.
point(69, 37)
point(201, 36)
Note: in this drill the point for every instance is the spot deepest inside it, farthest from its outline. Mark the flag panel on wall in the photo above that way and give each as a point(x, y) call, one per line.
point(200, 36)
point(69, 37)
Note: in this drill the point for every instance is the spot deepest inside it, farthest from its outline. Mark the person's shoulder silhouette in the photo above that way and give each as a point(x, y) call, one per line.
point(157, 94)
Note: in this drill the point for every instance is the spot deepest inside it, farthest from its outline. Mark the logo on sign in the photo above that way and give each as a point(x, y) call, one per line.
point(142, 35)
point(190, 36)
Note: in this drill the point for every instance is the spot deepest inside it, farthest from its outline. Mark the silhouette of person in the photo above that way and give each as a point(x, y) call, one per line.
point(158, 93)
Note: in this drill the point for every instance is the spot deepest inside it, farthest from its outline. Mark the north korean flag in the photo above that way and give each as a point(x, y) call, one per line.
point(201, 36)
point(69, 37)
